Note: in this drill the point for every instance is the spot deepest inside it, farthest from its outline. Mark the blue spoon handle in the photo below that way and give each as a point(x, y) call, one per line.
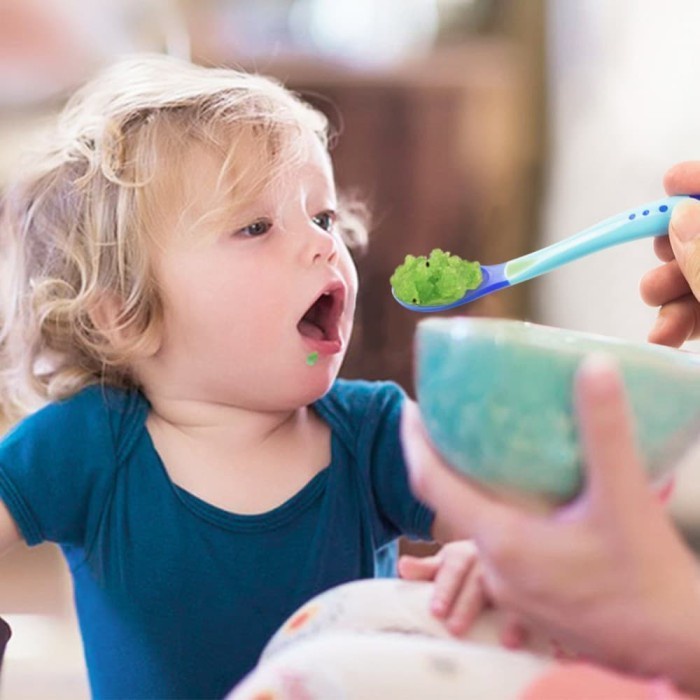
point(647, 220)
point(650, 219)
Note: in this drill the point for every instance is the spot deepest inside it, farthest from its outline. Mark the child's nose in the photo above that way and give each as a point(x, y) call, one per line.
point(321, 246)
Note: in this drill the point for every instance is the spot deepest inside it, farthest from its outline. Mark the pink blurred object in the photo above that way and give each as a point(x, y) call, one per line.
point(49, 48)
point(581, 681)
point(41, 52)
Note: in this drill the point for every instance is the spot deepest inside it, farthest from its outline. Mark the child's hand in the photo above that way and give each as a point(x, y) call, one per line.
point(458, 596)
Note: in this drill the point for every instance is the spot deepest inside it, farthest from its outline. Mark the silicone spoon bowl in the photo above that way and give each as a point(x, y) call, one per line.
point(647, 220)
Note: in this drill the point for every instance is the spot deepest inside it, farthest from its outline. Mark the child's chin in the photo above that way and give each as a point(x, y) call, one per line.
point(317, 382)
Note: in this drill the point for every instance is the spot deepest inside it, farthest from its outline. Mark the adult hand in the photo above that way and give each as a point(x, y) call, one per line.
point(675, 285)
point(607, 575)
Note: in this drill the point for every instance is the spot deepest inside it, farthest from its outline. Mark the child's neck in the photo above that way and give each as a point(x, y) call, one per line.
point(228, 426)
point(240, 460)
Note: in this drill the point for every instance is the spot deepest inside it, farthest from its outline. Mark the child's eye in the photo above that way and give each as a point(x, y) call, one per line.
point(257, 228)
point(325, 220)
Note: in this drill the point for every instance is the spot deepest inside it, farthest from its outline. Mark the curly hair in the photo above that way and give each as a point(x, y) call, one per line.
point(74, 227)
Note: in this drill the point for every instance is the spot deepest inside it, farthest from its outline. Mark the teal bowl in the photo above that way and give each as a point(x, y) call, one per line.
point(496, 398)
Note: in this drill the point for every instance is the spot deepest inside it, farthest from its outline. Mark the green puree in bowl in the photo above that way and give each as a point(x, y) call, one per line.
point(440, 278)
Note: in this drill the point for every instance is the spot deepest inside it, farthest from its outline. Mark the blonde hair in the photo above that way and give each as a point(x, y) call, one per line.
point(74, 227)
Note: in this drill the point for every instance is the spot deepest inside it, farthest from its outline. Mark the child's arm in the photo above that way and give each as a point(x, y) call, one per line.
point(458, 596)
point(9, 533)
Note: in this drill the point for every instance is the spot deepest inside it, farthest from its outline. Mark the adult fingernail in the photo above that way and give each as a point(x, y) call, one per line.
point(598, 363)
point(598, 376)
point(685, 221)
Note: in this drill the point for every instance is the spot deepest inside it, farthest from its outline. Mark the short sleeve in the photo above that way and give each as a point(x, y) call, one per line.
point(400, 512)
point(58, 465)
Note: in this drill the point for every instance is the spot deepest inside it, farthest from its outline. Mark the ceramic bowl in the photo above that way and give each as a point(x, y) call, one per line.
point(497, 400)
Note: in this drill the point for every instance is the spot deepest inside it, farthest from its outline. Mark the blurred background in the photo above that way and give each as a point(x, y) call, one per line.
point(484, 127)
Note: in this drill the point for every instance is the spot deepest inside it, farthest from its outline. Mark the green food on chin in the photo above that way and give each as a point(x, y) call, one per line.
point(440, 278)
point(312, 359)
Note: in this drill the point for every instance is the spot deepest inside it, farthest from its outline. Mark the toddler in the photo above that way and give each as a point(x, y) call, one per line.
point(177, 299)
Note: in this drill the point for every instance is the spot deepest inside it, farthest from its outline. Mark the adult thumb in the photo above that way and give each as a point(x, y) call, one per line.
point(684, 233)
point(614, 472)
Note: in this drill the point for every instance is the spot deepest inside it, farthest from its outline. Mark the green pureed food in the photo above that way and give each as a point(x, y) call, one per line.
point(440, 278)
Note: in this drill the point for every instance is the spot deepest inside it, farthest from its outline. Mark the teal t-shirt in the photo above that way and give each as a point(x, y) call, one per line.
point(176, 597)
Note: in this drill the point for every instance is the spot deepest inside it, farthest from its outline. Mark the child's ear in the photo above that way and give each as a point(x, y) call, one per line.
point(106, 317)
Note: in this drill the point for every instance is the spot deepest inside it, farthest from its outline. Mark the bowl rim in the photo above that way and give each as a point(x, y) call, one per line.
point(549, 338)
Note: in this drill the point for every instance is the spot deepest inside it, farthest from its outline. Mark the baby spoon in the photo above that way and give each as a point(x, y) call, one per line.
point(646, 220)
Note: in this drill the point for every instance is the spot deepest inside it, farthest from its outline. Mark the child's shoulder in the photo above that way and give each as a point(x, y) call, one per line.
point(351, 403)
point(361, 393)
point(93, 408)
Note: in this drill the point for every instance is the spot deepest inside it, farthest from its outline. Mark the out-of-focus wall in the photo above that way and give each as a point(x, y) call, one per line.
point(624, 105)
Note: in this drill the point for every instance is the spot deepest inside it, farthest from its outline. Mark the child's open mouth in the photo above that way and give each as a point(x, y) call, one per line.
point(319, 326)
